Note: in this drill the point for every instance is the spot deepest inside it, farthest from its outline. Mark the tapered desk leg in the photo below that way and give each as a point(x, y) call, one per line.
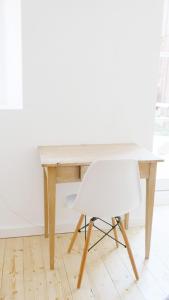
point(46, 205)
point(51, 199)
point(150, 189)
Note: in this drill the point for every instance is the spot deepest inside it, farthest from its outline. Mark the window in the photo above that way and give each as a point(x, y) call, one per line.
point(162, 105)
point(10, 55)
point(161, 137)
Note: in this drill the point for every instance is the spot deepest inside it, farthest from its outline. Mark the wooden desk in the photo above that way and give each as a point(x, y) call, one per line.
point(69, 163)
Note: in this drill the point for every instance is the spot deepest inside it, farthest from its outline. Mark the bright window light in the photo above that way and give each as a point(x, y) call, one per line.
point(10, 55)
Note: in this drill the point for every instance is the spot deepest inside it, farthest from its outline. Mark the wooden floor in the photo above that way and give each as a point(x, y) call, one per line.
point(25, 274)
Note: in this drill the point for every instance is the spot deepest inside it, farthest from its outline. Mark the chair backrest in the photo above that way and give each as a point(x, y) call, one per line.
point(109, 188)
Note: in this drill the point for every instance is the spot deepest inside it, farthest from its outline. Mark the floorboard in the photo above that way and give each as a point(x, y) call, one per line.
point(25, 273)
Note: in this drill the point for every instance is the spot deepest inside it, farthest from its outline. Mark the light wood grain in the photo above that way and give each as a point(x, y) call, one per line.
point(72, 263)
point(69, 163)
point(2, 252)
point(144, 169)
point(12, 284)
point(46, 204)
point(102, 285)
point(108, 272)
point(29, 271)
point(120, 275)
point(150, 190)
point(126, 221)
point(56, 280)
point(75, 233)
point(52, 200)
point(129, 250)
point(67, 174)
point(115, 231)
point(84, 255)
point(85, 154)
point(35, 285)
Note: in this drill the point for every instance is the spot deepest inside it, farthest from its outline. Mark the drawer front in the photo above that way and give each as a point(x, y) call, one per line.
point(83, 170)
point(67, 174)
point(76, 173)
point(144, 169)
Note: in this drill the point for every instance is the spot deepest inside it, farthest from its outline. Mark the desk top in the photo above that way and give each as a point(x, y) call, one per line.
point(85, 154)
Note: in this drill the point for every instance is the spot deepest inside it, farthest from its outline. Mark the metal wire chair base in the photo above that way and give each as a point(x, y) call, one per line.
point(101, 230)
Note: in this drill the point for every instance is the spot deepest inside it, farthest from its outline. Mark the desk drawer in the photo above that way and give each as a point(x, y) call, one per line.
point(144, 170)
point(83, 170)
point(67, 174)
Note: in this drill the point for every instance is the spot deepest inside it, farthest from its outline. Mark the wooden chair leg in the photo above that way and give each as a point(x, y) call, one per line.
point(75, 233)
point(84, 256)
point(129, 250)
point(126, 221)
point(115, 231)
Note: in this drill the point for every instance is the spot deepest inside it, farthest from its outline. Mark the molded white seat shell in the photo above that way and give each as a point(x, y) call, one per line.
point(109, 188)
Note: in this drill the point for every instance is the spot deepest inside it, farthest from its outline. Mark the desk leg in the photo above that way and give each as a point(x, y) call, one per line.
point(51, 199)
point(46, 205)
point(150, 189)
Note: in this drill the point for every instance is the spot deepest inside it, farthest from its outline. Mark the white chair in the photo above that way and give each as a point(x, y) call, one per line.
point(110, 188)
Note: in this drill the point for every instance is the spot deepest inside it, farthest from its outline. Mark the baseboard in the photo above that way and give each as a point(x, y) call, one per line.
point(6, 232)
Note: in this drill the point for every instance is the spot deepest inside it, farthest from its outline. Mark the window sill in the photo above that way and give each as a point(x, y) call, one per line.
point(10, 107)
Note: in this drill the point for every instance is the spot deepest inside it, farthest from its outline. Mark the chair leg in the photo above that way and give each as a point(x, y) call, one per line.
point(126, 221)
point(129, 250)
point(84, 256)
point(115, 231)
point(75, 233)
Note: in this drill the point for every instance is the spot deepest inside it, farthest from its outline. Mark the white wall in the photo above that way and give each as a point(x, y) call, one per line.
point(89, 76)
point(10, 54)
